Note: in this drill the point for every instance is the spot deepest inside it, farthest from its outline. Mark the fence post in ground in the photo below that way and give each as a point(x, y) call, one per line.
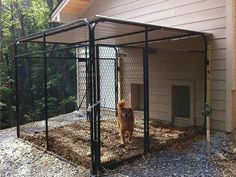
point(45, 90)
point(92, 100)
point(146, 93)
point(17, 96)
point(116, 80)
point(98, 107)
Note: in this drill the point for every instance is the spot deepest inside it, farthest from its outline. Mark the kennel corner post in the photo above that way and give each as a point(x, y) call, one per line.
point(16, 87)
point(45, 89)
point(116, 80)
point(98, 107)
point(146, 94)
point(92, 95)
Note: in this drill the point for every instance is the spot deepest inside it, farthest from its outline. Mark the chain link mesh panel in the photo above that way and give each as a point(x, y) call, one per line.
point(31, 98)
point(69, 131)
point(120, 79)
point(82, 53)
point(68, 128)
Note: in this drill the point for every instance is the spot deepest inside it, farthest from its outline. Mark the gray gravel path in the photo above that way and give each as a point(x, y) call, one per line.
point(20, 159)
point(191, 162)
point(53, 122)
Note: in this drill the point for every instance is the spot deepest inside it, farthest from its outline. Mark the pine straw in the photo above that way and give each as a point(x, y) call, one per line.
point(73, 141)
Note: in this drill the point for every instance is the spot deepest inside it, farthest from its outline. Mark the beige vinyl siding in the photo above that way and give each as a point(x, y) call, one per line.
point(164, 67)
point(234, 75)
point(81, 78)
point(234, 110)
point(131, 72)
point(201, 15)
point(234, 47)
point(81, 83)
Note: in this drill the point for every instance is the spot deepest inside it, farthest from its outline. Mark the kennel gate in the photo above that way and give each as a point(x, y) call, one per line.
point(114, 78)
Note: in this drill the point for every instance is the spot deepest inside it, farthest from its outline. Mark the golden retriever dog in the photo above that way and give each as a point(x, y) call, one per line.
point(125, 121)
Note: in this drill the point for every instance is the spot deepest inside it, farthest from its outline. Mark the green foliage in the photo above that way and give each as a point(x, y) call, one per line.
point(20, 18)
point(69, 103)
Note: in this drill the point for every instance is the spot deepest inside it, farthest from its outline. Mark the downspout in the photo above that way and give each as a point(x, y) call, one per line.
point(146, 94)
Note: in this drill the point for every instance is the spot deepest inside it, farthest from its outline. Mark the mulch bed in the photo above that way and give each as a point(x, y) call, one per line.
point(73, 141)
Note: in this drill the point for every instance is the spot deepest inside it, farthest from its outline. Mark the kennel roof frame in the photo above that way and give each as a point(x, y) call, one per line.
point(109, 31)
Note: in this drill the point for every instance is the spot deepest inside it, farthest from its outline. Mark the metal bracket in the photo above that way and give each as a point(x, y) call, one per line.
point(92, 106)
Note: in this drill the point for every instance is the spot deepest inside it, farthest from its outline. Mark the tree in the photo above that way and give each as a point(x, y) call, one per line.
point(20, 18)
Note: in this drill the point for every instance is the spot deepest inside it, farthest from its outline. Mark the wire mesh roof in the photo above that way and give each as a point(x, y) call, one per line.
point(111, 31)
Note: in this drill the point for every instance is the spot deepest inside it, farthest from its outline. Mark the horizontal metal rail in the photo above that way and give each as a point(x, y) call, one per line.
point(65, 58)
point(51, 50)
point(158, 40)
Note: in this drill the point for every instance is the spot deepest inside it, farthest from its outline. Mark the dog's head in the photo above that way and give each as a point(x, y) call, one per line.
point(121, 104)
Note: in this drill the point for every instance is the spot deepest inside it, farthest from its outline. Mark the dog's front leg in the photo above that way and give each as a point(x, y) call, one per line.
point(122, 136)
point(130, 135)
point(118, 124)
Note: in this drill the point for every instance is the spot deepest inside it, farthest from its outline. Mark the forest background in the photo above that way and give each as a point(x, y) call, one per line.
point(20, 18)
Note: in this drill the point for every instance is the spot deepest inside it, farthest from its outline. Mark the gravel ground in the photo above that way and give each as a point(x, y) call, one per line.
point(53, 122)
point(20, 159)
point(187, 159)
point(191, 161)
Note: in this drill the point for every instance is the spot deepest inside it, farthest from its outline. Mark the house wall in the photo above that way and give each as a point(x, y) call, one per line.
point(165, 67)
point(234, 42)
point(230, 62)
point(201, 15)
point(234, 74)
point(234, 110)
point(81, 77)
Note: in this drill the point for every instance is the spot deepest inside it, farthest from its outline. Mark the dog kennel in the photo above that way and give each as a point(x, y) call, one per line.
point(104, 75)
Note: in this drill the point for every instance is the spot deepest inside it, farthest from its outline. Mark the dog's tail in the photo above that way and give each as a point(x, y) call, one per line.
point(121, 104)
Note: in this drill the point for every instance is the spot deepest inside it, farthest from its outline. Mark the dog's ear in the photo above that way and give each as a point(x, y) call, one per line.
point(121, 104)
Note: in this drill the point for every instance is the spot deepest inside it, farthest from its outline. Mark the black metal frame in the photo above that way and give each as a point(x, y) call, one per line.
point(92, 72)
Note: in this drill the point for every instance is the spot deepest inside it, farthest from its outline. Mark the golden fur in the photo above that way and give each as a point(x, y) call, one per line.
point(125, 121)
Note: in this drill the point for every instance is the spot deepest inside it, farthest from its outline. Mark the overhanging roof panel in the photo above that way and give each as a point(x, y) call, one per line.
point(108, 31)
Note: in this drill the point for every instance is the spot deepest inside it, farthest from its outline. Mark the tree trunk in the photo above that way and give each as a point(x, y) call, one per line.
point(66, 76)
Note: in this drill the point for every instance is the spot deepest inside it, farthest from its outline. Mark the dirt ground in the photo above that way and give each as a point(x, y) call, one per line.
point(73, 141)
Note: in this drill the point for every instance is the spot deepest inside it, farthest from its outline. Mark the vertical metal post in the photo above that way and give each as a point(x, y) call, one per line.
point(146, 94)
point(206, 100)
point(45, 89)
point(87, 79)
point(98, 107)
point(116, 80)
point(17, 95)
point(91, 103)
point(205, 74)
point(94, 87)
